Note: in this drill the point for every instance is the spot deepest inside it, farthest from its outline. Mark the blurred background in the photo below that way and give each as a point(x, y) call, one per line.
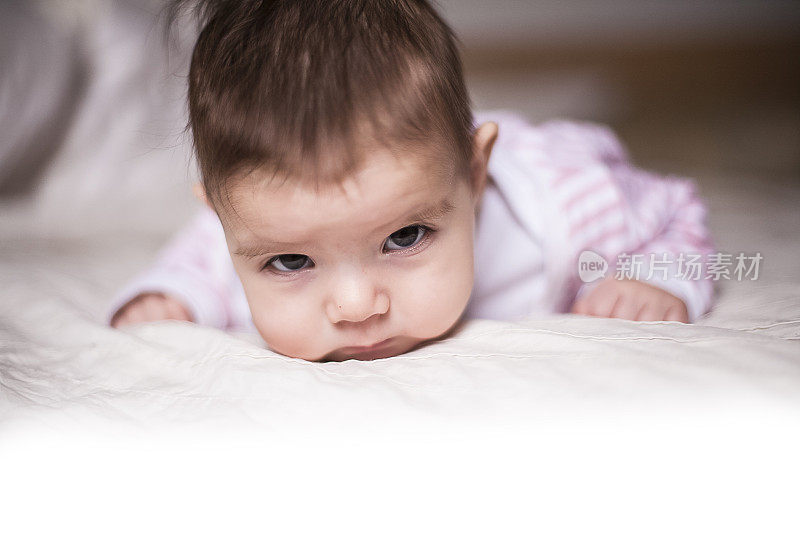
point(92, 105)
point(694, 86)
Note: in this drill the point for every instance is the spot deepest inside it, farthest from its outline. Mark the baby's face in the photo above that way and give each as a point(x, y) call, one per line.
point(367, 270)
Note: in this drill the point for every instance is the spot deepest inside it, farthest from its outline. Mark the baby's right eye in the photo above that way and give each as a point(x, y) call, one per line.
point(289, 262)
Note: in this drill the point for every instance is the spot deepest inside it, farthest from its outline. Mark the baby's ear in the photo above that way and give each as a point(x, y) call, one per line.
point(482, 143)
point(200, 194)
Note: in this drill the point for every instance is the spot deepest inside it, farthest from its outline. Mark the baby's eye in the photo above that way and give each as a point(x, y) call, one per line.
point(289, 262)
point(406, 237)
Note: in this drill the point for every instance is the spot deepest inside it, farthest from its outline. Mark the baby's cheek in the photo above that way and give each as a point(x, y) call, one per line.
point(286, 329)
point(439, 294)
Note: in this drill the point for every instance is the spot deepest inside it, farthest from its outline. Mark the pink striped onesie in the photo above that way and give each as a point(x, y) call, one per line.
point(555, 190)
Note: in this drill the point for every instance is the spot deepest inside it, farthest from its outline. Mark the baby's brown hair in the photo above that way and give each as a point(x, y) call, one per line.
point(304, 87)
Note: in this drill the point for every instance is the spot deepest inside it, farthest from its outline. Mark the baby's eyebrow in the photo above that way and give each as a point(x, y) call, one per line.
point(251, 251)
point(426, 213)
point(432, 212)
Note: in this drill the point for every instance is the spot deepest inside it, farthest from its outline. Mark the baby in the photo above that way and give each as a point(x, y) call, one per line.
point(357, 209)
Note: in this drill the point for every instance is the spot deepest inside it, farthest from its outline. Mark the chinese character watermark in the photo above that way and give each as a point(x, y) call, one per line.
point(663, 266)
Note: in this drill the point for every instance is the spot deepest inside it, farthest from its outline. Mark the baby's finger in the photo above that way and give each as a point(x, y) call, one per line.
point(177, 311)
point(677, 314)
point(158, 309)
point(650, 314)
point(626, 308)
point(580, 307)
point(119, 320)
point(133, 314)
point(603, 304)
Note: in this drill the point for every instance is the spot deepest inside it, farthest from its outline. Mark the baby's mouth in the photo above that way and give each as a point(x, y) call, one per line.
point(379, 350)
point(376, 346)
point(370, 348)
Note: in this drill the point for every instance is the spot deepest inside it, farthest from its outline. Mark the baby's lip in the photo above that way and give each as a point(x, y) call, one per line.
point(370, 348)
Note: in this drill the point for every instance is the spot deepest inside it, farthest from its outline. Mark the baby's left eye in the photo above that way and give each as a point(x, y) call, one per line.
point(406, 237)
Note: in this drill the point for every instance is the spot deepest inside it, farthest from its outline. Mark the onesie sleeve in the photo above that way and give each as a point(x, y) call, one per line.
point(192, 268)
point(646, 226)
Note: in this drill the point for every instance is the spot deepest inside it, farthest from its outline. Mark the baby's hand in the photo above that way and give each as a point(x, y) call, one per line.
point(149, 307)
point(633, 300)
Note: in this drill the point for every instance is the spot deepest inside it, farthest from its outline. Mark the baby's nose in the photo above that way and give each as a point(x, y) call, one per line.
point(356, 301)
